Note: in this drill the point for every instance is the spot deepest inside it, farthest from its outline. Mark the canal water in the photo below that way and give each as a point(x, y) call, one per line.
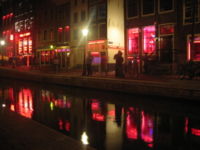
point(106, 120)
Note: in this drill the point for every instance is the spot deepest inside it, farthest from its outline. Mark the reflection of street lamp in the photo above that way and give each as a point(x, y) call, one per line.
point(2, 43)
point(84, 138)
point(84, 33)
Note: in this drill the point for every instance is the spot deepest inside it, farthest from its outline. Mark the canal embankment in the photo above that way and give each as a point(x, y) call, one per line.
point(174, 88)
point(19, 133)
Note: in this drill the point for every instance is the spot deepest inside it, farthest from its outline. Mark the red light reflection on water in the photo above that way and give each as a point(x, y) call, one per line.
point(131, 125)
point(98, 117)
point(147, 128)
point(195, 132)
point(64, 125)
point(96, 111)
point(25, 103)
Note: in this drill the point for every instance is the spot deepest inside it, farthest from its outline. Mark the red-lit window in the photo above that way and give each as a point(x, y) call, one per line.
point(20, 44)
point(133, 40)
point(25, 44)
point(195, 54)
point(166, 29)
point(149, 42)
point(30, 45)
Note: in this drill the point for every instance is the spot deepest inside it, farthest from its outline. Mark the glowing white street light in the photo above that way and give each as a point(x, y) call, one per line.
point(85, 32)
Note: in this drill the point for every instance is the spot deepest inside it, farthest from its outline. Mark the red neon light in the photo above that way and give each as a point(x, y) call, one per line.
point(96, 42)
point(25, 34)
point(4, 17)
point(95, 54)
point(195, 132)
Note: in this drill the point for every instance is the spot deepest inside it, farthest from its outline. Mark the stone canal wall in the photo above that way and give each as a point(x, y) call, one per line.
point(175, 89)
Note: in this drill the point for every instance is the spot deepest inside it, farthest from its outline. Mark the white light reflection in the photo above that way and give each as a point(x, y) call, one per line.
point(84, 138)
point(3, 105)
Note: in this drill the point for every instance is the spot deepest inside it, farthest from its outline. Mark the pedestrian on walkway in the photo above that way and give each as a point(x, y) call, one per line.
point(119, 65)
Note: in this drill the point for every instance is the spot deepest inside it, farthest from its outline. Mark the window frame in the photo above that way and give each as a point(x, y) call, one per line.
point(138, 5)
point(150, 14)
point(167, 11)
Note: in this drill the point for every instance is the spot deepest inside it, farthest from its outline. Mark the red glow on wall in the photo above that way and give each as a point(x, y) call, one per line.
point(133, 40)
point(147, 128)
point(131, 126)
point(149, 41)
point(26, 103)
point(98, 117)
point(195, 132)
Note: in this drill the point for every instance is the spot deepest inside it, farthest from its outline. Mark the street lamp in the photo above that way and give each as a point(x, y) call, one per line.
point(84, 33)
point(2, 43)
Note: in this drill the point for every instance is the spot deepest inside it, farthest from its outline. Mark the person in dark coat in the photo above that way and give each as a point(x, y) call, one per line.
point(89, 64)
point(119, 65)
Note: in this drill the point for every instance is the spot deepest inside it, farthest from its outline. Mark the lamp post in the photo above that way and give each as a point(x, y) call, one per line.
point(84, 33)
point(2, 43)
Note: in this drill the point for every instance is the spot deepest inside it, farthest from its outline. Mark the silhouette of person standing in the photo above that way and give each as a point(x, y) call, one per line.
point(119, 65)
point(89, 64)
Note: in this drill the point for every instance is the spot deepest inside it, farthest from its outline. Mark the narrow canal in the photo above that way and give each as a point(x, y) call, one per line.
point(104, 120)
